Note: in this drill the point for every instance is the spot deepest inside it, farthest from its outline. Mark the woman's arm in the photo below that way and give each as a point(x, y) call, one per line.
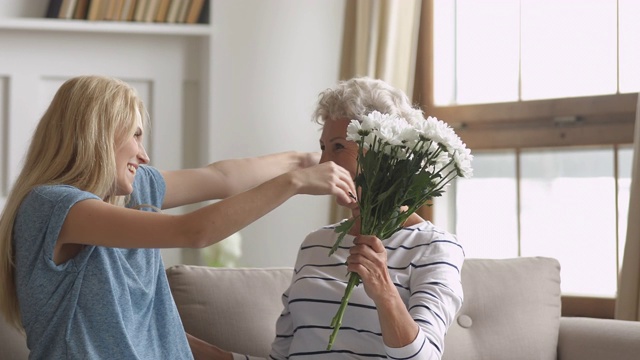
point(436, 296)
point(225, 178)
point(93, 222)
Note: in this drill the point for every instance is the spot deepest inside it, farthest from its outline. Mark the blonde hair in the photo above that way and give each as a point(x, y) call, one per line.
point(74, 144)
point(357, 97)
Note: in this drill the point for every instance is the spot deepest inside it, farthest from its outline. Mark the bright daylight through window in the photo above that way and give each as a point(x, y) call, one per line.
point(568, 202)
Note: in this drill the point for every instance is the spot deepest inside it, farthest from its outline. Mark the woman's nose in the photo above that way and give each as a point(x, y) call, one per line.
point(142, 155)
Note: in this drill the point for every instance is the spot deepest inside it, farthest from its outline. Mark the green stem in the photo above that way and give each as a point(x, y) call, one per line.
point(354, 280)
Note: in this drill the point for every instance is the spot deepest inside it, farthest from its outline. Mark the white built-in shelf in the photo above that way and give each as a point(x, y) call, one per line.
point(115, 27)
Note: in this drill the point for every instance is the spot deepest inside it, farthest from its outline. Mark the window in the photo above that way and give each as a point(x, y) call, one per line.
point(567, 203)
point(544, 93)
point(494, 51)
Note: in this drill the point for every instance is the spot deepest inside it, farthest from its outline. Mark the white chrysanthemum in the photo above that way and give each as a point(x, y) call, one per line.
point(353, 130)
point(385, 132)
point(463, 158)
point(409, 136)
point(443, 160)
point(441, 133)
point(389, 128)
point(372, 121)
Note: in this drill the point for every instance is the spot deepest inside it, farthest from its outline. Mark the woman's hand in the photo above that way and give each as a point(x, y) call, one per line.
point(309, 159)
point(368, 258)
point(202, 350)
point(326, 179)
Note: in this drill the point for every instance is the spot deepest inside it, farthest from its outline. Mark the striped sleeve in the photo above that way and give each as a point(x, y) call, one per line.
point(436, 297)
point(418, 349)
point(284, 331)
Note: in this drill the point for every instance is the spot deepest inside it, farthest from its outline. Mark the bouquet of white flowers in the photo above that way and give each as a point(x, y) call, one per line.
point(401, 165)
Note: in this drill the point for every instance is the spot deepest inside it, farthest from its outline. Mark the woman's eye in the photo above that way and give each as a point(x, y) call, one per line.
point(338, 146)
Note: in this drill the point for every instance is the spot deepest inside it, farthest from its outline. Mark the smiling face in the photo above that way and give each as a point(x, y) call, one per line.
point(129, 156)
point(336, 148)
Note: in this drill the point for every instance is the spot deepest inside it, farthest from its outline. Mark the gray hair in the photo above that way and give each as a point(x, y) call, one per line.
point(357, 97)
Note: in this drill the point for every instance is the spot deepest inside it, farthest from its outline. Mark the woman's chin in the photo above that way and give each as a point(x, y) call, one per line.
point(124, 191)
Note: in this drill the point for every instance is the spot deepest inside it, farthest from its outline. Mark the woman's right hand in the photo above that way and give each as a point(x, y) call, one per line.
point(327, 178)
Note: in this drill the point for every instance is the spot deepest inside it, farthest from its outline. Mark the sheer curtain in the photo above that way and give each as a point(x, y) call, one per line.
point(380, 41)
point(628, 300)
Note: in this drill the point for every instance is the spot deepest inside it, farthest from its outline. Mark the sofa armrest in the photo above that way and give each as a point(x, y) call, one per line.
point(595, 339)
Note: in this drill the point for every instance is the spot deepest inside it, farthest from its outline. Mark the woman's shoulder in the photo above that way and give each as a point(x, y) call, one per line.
point(323, 235)
point(55, 193)
point(43, 197)
point(149, 187)
point(425, 237)
point(427, 230)
point(330, 230)
point(46, 202)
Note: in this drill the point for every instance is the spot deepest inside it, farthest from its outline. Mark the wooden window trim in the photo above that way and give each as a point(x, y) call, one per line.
point(584, 306)
point(597, 120)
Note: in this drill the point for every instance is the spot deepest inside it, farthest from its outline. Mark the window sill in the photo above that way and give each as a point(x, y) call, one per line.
point(592, 307)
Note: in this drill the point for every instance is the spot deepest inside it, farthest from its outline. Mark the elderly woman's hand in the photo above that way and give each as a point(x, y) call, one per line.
point(368, 258)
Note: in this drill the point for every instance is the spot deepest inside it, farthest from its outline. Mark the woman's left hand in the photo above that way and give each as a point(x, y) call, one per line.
point(368, 258)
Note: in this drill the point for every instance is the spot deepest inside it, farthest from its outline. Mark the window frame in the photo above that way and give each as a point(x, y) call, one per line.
point(590, 120)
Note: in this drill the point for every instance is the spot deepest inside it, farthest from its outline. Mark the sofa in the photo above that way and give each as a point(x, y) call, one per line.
point(511, 312)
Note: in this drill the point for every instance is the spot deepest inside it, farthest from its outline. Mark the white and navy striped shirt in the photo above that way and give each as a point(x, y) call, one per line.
point(424, 263)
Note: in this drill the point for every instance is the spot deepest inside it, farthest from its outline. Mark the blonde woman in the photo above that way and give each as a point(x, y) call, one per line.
point(80, 269)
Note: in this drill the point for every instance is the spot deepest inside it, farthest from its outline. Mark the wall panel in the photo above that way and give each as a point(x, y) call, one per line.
point(35, 63)
point(3, 138)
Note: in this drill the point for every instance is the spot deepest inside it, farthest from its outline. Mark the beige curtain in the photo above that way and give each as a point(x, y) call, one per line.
point(628, 300)
point(380, 40)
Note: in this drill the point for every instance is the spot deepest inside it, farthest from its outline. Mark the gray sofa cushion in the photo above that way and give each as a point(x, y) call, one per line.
point(235, 309)
point(13, 345)
point(511, 308)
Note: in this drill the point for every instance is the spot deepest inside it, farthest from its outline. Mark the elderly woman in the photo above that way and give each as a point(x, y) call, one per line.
point(411, 282)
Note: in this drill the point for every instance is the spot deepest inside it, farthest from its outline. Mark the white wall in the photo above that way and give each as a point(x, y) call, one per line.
point(270, 59)
point(37, 56)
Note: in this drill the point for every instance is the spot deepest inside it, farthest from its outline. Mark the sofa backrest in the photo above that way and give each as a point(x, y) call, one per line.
point(511, 308)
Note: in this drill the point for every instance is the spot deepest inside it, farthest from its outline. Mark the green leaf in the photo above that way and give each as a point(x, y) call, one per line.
point(343, 229)
point(391, 190)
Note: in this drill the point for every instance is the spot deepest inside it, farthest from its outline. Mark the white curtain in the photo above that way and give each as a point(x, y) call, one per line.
point(380, 40)
point(628, 299)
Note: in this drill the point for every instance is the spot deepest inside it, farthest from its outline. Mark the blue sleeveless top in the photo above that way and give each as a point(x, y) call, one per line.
point(105, 303)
